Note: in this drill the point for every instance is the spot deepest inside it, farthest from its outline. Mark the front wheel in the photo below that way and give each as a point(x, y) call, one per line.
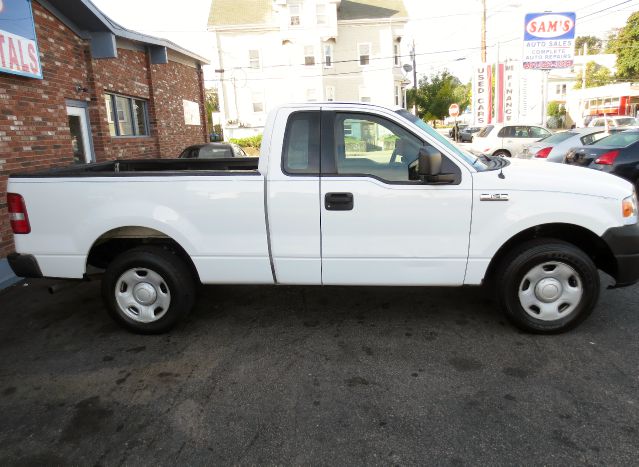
point(501, 153)
point(547, 286)
point(148, 289)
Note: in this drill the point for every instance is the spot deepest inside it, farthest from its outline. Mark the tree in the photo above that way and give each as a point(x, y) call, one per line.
point(596, 75)
point(435, 94)
point(211, 104)
point(626, 46)
point(594, 44)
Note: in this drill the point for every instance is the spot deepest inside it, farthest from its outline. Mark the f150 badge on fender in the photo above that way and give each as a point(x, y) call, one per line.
point(493, 197)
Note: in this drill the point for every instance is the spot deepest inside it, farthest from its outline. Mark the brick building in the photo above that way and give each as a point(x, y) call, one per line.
point(98, 92)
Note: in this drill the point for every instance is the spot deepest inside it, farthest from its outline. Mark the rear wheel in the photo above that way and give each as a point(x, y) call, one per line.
point(547, 286)
point(148, 289)
point(501, 153)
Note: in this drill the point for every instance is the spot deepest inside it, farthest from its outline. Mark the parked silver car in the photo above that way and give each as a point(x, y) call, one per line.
point(554, 147)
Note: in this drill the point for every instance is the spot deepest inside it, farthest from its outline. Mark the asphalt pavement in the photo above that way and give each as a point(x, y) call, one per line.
point(317, 376)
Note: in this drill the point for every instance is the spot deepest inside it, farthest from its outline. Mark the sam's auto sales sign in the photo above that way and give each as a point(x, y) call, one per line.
point(549, 40)
point(18, 43)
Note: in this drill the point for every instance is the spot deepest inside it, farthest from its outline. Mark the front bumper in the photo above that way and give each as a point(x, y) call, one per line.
point(24, 265)
point(624, 244)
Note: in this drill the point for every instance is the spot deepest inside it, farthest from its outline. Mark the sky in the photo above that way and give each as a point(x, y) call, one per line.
point(447, 34)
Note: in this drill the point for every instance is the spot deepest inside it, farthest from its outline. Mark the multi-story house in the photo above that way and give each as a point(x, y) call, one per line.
point(276, 51)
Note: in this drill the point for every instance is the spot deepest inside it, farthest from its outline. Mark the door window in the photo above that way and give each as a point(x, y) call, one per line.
point(302, 144)
point(369, 145)
point(77, 143)
point(537, 132)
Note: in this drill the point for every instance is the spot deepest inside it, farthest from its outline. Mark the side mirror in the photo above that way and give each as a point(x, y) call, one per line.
point(429, 162)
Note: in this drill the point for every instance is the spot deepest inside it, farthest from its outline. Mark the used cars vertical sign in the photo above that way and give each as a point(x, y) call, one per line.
point(549, 40)
point(18, 44)
point(482, 94)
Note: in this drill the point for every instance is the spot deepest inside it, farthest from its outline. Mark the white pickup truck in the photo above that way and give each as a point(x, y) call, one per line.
point(342, 194)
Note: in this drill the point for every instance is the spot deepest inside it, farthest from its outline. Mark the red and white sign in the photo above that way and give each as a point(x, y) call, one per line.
point(482, 94)
point(453, 110)
point(549, 40)
point(18, 41)
point(18, 55)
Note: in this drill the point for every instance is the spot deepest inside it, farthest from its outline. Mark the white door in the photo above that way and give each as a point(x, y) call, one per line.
point(80, 140)
point(379, 226)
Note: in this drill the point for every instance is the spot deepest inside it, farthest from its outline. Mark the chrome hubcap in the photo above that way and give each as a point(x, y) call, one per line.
point(142, 295)
point(550, 291)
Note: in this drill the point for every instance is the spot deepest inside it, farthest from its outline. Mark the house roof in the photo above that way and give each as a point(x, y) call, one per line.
point(238, 12)
point(243, 12)
point(370, 9)
point(86, 17)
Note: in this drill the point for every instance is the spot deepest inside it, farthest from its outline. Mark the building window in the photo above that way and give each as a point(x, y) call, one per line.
point(309, 55)
point(364, 51)
point(311, 95)
point(254, 59)
point(328, 56)
point(563, 89)
point(398, 95)
point(294, 14)
point(330, 93)
point(396, 54)
point(320, 12)
point(258, 102)
point(126, 116)
point(364, 95)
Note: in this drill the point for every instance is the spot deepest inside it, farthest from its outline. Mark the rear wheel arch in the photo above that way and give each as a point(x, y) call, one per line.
point(118, 240)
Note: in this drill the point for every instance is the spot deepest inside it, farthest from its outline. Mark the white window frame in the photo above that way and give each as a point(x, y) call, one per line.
point(360, 55)
point(320, 12)
point(311, 95)
point(257, 100)
point(327, 63)
point(306, 55)
point(330, 93)
point(295, 23)
point(252, 65)
point(364, 94)
point(396, 54)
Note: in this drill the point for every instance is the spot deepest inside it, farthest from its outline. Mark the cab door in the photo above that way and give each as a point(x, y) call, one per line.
point(379, 226)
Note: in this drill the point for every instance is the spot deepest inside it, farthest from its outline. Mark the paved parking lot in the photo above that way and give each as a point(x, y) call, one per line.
point(309, 375)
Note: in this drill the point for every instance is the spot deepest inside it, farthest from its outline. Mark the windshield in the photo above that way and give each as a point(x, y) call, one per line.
point(469, 158)
point(620, 140)
point(558, 137)
point(485, 131)
point(627, 121)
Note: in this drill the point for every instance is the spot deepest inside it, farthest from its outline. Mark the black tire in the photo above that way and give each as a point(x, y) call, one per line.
point(501, 153)
point(175, 277)
point(535, 253)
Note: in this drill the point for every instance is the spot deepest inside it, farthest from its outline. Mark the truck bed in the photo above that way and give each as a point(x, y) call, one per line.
point(137, 167)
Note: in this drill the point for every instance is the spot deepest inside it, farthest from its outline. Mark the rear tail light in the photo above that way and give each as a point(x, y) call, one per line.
point(18, 214)
point(607, 158)
point(543, 153)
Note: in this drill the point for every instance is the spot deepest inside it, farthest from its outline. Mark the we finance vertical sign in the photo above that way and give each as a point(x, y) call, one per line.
point(18, 43)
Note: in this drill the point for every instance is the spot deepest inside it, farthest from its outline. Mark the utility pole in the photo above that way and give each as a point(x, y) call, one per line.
point(412, 56)
point(483, 32)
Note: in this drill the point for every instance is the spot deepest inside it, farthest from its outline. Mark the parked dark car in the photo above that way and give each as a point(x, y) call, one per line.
point(617, 154)
point(466, 135)
point(461, 127)
point(212, 151)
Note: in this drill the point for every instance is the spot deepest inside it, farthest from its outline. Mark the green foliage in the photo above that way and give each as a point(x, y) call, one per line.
point(626, 46)
point(596, 75)
point(249, 142)
point(594, 45)
point(555, 109)
point(435, 94)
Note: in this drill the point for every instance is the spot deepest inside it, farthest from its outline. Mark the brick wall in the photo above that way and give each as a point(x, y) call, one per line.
point(34, 132)
point(171, 85)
